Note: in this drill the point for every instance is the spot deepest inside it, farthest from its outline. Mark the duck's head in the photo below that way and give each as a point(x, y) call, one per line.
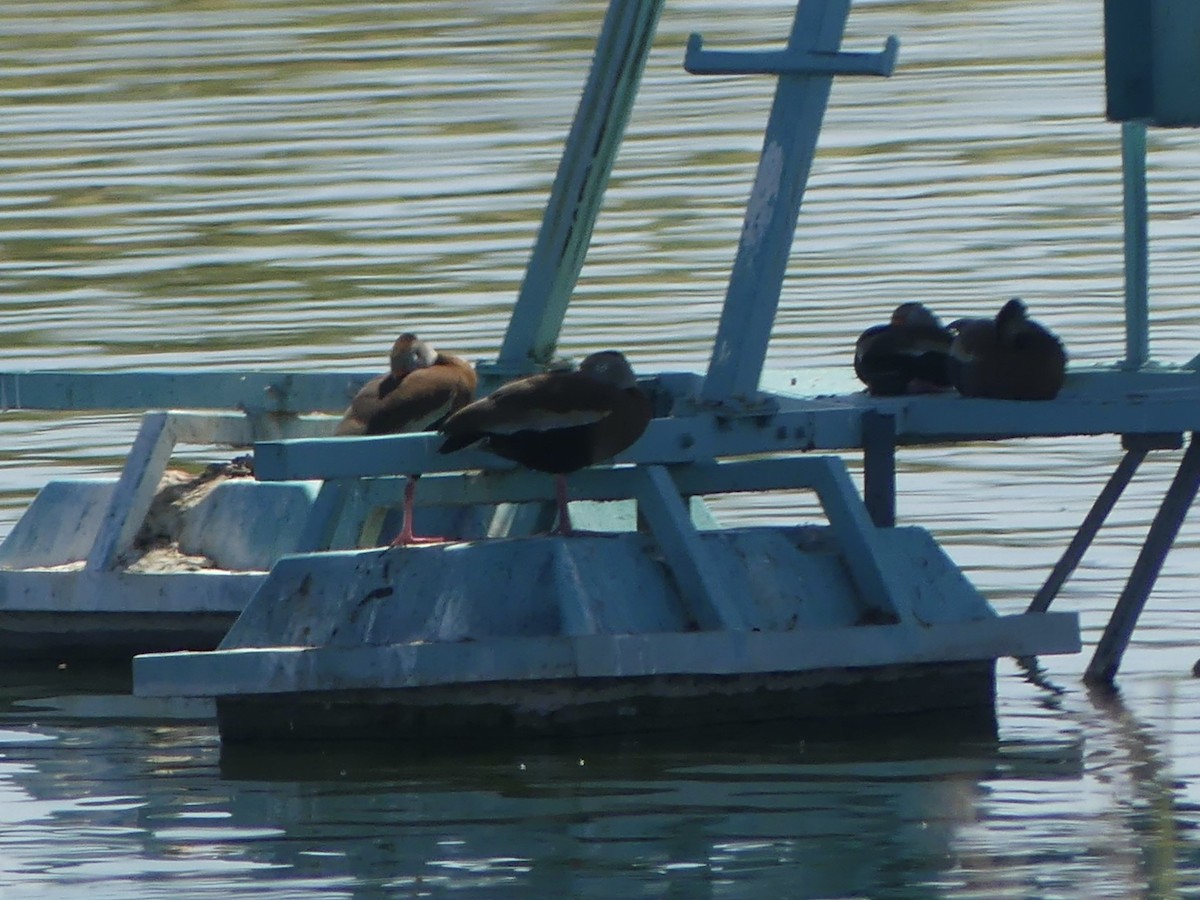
point(1011, 319)
point(611, 367)
point(410, 353)
point(914, 314)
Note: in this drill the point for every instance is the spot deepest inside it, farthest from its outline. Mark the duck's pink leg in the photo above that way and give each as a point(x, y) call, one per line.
point(406, 537)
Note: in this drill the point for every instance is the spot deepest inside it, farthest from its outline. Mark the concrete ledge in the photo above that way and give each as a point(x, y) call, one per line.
point(66, 593)
point(330, 671)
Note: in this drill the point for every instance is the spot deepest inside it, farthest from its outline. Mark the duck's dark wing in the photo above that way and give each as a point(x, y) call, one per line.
point(539, 403)
point(623, 426)
point(553, 427)
point(889, 359)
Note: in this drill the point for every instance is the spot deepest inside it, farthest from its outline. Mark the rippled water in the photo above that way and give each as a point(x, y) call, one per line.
point(287, 185)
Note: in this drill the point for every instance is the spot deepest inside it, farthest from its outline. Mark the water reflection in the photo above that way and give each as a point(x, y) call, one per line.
point(759, 814)
point(1078, 796)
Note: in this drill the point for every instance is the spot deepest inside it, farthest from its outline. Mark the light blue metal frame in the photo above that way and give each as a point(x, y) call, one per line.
point(587, 161)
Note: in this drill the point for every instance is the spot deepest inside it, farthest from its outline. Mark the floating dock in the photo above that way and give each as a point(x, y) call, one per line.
point(657, 619)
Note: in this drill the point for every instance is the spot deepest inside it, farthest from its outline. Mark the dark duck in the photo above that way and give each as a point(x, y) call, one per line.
point(557, 422)
point(421, 388)
point(1009, 357)
point(908, 355)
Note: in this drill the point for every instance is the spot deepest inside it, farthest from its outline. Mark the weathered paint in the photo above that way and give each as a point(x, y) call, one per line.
point(66, 584)
point(1093, 402)
point(130, 500)
point(787, 578)
point(330, 671)
point(241, 525)
point(65, 592)
point(60, 525)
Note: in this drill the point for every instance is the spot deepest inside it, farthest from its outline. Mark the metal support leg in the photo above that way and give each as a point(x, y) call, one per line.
point(851, 523)
point(1087, 530)
point(879, 467)
point(134, 492)
point(1107, 657)
point(322, 521)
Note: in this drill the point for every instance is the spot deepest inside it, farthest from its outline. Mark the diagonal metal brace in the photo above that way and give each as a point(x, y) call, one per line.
point(715, 604)
point(1111, 647)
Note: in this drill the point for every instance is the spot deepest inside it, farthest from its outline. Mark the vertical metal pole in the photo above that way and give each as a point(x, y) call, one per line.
point(879, 467)
point(770, 224)
point(1111, 647)
point(1107, 499)
point(1137, 292)
point(587, 160)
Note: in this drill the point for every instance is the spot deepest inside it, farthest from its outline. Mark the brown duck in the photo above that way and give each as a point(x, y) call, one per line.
point(1009, 357)
point(557, 422)
point(908, 355)
point(419, 391)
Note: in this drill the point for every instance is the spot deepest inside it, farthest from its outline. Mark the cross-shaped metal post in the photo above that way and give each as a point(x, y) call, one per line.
point(805, 69)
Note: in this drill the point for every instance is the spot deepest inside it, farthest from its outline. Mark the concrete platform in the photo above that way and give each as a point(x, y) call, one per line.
point(592, 634)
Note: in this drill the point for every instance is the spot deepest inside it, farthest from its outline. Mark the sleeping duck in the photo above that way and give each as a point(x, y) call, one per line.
point(908, 355)
point(1009, 357)
point(421, 389)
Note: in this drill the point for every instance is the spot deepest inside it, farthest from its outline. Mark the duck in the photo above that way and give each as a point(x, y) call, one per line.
point(908, 355)
point(1008, 357)
point(557, 422)
point(420, 390)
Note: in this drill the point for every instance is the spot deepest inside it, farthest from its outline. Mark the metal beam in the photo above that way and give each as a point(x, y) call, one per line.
point(591, 147)
point(294, 392)
point(714, 604)
point(134, 491)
